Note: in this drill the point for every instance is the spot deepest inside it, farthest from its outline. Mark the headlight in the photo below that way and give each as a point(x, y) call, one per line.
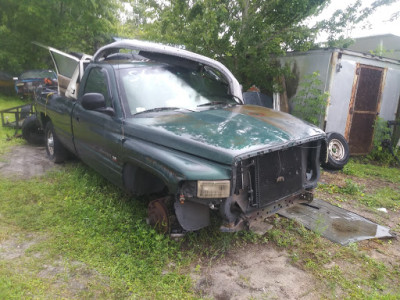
point(213, 189)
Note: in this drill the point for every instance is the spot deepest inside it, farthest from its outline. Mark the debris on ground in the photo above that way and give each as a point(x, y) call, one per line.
point(334, 223)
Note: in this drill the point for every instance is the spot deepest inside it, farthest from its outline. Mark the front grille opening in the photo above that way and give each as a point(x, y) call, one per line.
point(276, 175)
point(312, 160)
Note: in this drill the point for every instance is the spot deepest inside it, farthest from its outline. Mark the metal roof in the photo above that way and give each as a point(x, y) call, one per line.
point(234, 85)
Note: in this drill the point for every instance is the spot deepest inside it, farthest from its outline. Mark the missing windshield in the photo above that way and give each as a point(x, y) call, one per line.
point(159, 85)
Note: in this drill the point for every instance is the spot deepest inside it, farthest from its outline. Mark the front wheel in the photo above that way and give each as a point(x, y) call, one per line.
point(55, 150)
point(338, 151)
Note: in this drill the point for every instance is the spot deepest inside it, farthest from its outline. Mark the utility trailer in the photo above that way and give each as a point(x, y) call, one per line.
point(361, 87)
point(13, 117)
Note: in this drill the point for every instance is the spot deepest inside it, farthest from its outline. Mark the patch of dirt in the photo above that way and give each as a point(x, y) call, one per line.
point(67, 279)
point(25, 161)
point(390, 218)
point(255, 272)
point(382, 252)
point(75, 276)
point(386, 251)
point(15, 247)
point(264, 272)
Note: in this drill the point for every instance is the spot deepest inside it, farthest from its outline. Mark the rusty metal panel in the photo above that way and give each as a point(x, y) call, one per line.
point(335, 223)
point(368, 89)
point(363, 108)
point(361, 133)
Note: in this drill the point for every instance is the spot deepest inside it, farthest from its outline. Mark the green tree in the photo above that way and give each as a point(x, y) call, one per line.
point(346, 19)
point(80, 25)
point(246, 35)
point(242, 34)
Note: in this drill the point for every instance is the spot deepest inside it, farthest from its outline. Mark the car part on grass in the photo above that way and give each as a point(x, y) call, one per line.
point(158, 215)
point(338, 151)
point(161, 215)
point(31, 131)
point(256, 221)
point(192, 216)
point(335, 223)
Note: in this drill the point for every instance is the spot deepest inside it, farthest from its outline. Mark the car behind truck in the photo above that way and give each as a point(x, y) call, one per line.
point(157, 120)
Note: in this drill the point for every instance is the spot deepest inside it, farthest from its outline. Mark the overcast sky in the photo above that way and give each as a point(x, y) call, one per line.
point(376, 24)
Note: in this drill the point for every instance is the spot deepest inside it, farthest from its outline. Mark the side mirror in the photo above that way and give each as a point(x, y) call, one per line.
point(93, 101)
point(96, 102)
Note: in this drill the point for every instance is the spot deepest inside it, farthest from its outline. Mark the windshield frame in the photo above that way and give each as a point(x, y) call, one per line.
point(208, 101)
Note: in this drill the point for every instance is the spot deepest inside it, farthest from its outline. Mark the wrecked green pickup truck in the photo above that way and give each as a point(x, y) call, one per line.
point(157, 120)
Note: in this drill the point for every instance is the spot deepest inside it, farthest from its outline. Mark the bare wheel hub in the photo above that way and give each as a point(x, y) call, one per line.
point(159, 215)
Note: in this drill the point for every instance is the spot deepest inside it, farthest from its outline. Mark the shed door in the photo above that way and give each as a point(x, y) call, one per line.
point(364, 107)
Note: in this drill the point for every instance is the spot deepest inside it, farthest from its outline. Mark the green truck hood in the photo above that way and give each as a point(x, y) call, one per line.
point(223, 135)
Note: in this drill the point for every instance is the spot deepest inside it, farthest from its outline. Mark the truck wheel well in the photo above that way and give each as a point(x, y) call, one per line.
point(138, 181)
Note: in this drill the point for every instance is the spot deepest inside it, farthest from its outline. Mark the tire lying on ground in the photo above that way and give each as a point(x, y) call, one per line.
point(32, 132)
point(338, 152)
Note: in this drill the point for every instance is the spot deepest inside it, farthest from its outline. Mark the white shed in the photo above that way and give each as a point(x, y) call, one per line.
point(361, 87)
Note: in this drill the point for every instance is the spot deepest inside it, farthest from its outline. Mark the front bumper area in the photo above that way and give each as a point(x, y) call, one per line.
point(244, 220)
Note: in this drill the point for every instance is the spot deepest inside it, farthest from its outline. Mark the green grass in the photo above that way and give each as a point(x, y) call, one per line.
point(349, 188)
point(384, 197)
point(391, 174)
point(9, 102)
point(88, 220)
point(90, 231)
point(387, 196)
point(363, 278)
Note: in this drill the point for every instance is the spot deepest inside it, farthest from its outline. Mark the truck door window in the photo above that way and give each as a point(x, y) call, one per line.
point(97, 82)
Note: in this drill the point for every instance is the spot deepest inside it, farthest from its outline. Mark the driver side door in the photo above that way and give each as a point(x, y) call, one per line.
point(98, 135)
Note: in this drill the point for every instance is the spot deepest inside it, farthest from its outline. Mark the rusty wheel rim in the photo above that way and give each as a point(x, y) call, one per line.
point(158, 216)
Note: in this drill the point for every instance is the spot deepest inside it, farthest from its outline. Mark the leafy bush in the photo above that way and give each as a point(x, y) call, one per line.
point(381, 144)
point(310, 102)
